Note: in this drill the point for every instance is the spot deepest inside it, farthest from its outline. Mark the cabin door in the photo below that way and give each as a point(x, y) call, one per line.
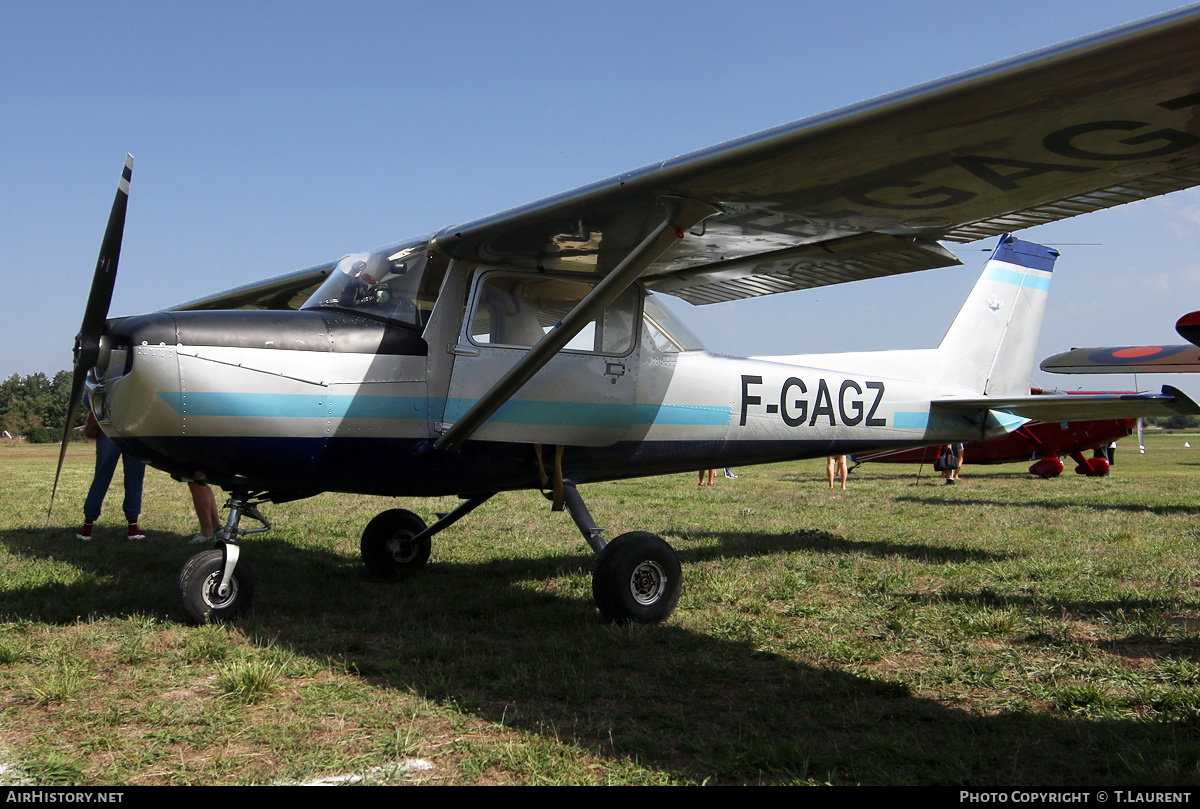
point(585, 395)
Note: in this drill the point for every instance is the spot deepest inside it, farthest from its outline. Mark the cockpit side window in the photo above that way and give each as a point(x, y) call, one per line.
point(518, 310)
point(665, 331)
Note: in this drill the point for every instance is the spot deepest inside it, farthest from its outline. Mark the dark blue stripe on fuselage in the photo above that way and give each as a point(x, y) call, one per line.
point(299, 467)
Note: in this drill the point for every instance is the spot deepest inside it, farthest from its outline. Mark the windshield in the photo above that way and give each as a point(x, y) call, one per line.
point(397, 283)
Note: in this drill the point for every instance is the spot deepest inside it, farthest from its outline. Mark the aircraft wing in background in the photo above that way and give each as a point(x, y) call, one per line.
point(1176, 359)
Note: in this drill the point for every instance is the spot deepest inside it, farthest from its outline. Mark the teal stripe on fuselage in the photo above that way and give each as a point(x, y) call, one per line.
point(924, 420)
point(949, 421)
point(297, 405)
point(1017, 278)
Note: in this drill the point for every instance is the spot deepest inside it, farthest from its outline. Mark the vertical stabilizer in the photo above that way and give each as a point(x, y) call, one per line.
point(992, 343)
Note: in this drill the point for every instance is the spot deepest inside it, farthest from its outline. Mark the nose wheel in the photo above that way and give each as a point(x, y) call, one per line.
point(206, 597)
point(215, 585)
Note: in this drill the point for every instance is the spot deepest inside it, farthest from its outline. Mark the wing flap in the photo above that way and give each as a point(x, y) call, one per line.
point(835, 262)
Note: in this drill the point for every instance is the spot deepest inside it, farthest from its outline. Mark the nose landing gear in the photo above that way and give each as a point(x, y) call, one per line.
point(214, 585)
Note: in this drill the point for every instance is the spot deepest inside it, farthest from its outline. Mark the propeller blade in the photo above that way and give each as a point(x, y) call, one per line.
point(95, 315)
point(1142, 436)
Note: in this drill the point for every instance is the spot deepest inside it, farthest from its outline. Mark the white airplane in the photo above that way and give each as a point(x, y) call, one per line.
point(528, 350)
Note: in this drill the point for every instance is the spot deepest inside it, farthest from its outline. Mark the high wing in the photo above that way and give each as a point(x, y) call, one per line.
point(868, 190)
point(1078, 407)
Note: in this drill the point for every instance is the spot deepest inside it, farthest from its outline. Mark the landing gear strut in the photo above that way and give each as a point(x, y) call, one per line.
point(637, 577)
point(214, 585)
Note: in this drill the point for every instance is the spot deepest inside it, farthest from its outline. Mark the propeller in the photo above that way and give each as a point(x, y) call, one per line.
point(1142, 436)
point(95, 316)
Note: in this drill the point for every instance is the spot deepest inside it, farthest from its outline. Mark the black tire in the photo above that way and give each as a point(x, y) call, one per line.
point(198, 583)
point(387, 546)
point(637, 579)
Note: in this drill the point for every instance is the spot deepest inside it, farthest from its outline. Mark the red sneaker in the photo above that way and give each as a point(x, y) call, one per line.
point(84, 533)
point(135, 532)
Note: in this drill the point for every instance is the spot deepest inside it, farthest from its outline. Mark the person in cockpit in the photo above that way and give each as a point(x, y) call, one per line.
point(363, 289)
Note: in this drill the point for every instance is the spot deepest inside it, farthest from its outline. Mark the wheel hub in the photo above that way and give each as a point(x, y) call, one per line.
point(402, 548)
point(212, 591)
point(648, 582)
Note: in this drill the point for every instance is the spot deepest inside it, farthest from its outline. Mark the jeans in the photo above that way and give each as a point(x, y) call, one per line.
point(106, 463)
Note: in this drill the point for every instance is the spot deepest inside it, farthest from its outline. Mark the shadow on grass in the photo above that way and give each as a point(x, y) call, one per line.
point(741, 543)
point(517, 642)
point(959, 502)
point(1136, 612)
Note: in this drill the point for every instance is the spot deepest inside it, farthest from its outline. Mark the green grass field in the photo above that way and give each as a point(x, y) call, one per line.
point(1008, 630)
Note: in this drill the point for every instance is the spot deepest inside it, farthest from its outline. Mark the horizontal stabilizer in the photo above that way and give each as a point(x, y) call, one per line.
point(1079, 407)
point(1179, 359)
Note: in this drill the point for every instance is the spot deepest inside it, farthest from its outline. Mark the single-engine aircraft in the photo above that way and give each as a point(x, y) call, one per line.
point(528, 350)
point(1044, 443)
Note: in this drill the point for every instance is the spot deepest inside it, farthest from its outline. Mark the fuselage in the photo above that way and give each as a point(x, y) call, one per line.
point(333, 399)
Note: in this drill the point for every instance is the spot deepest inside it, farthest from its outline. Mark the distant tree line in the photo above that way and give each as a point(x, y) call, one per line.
point(35, 406)
point(1177, 422)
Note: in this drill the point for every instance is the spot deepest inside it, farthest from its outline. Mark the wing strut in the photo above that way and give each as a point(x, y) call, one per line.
point(681, 215)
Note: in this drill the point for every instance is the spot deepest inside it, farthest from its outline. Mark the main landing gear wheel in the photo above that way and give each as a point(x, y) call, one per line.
point(199, 588)
point(637, 579)
point(388, 546)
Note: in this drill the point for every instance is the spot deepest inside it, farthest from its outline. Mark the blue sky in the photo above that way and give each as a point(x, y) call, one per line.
point(272, 136)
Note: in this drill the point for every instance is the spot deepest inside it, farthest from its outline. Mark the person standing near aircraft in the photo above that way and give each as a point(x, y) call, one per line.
point(107, 455)
point(837, 463)
point(205, 503)
point(950, 461)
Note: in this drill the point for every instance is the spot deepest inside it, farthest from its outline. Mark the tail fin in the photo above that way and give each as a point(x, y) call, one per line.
point(992, 343)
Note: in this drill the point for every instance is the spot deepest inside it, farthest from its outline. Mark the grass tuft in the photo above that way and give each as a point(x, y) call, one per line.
point(249, 682)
